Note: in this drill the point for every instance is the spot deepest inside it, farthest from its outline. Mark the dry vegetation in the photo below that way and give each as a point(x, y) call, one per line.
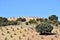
point(26, 33)
point(25, 30)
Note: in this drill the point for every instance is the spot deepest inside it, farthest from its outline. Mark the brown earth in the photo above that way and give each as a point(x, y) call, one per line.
point(25, 33)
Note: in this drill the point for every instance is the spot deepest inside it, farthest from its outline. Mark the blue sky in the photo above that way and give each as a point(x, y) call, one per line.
point(42, 8)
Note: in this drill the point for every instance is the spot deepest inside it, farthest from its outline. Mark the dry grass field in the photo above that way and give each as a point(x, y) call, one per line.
point(25, 33)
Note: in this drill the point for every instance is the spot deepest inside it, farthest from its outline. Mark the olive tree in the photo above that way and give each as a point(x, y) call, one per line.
point(32, 21)
point(44, 28)
point(53, 18)
point(3, 21)
point(21, 19)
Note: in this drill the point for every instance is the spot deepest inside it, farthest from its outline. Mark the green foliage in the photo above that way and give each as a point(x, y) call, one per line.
point(40, 19)
point(44, 28)
point(27, 23)
point(53, 22)
point(53, 18)
point(59, 22)
point(21, 19)
point(32, 21)
point(3, 21)
point(46, 19)
point(11, 23)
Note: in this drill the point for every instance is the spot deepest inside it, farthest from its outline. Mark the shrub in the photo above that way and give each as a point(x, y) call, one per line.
point(42, 37)
point(20, 31)
point(11, 36)
point(28, 38)
point(44, 28)
point(24, 35)
point(51, 22)
point(20, 38)
point(15, 34)
point(13, 30)
point(38, 19)
point(46, 19)
point(8, 32)
point(21, 19)
point(3, 21)
point(53, 17)
point(12, 23)
point(41, 20)
point(32, 36)
point(7, 28)
point(3, 34)
point(25, 30)
point(6, 38)
point(31, 21)
point(58, 22)
point(17, 28)
point(56, 37)
point(27, 23)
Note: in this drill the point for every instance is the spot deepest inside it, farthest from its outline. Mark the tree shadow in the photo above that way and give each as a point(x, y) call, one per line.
point(47, 34)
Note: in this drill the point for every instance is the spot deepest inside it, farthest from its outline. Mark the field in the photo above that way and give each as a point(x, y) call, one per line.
point(25, 28)
point(19, 32)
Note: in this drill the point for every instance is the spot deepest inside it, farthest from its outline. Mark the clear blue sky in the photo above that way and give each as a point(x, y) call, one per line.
point(42, 8)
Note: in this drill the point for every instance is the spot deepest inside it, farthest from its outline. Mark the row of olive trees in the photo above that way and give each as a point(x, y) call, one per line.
point(53, 19)
point(4, 21)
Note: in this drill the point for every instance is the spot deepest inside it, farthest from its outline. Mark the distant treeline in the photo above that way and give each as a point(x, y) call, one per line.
point(53, 19)
point(4, 21)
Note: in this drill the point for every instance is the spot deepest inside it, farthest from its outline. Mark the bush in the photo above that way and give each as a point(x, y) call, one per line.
point(31, 21)
point(11, 23)
point(38, 19)
point(53, 18)
point(46, 19)
point(3, 21)
point(53, 22)
point(44, 28)
point(21, 19)
point(27, 23)
point(41, 19)
point(58, 22)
